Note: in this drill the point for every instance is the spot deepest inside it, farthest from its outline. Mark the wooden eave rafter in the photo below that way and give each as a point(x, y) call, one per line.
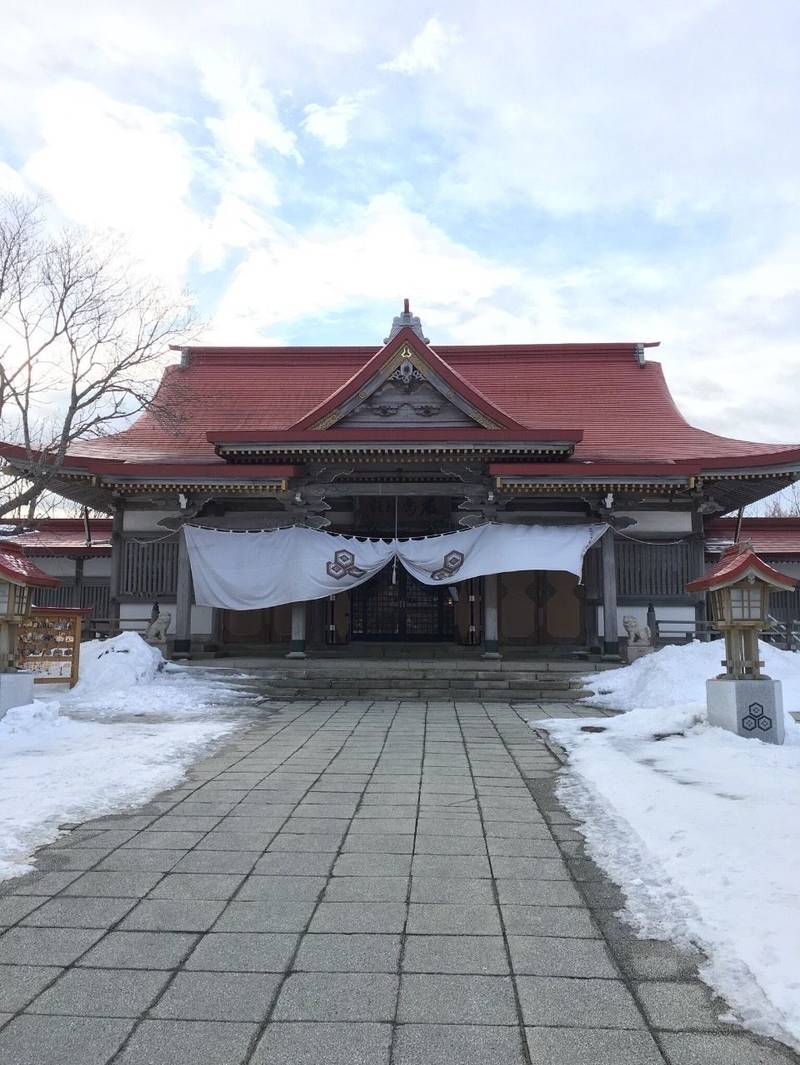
point(408, 444)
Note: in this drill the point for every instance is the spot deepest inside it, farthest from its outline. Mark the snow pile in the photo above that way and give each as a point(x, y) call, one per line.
point(677, 675)
point(701, 829)
point(121, 662)
point(125, 677)
point(54, 769)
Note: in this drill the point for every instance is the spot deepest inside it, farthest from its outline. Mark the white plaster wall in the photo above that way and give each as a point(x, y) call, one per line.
point(146, 520)
point(97, 567)
point(790, 568)
point(657, 521)
point(56, 566)
point(202, 620)
point(663, 613)
point(136, 616)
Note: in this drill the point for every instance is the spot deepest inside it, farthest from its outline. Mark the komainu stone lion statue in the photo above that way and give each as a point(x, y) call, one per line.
point(158, 628)
point(637, 632)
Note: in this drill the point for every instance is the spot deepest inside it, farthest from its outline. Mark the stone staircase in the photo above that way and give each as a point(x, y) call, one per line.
point(435, 679)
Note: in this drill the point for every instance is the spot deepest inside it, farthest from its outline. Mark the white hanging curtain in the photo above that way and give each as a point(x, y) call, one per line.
point(459, 556)
point(248, 571)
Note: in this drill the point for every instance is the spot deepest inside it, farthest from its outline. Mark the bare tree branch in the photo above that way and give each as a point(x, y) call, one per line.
point(83, 342)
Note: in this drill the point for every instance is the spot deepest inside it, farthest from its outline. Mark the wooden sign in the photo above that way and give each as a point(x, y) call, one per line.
point(49, 644)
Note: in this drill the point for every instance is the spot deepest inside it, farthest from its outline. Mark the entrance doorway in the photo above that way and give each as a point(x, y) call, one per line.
point(405, 610)
point(541, 607)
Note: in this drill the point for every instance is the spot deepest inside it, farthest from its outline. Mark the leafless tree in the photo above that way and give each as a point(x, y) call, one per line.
point(83, 338)
point(784, 504)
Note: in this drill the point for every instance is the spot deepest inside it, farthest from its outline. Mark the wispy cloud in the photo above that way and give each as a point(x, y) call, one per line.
point(426, 51)
point(331, 124)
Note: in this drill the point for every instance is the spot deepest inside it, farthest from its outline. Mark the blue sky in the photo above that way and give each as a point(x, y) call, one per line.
point(523, 171)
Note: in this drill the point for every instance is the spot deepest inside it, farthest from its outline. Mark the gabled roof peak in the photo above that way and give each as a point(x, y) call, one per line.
point(406, 320)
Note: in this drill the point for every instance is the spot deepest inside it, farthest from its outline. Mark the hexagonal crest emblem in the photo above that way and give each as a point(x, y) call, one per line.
point(344, 565)
point(756, 718)
point(451, 564)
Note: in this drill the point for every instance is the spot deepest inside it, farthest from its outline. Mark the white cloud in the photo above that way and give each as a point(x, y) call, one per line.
point(249, 117)
point(383, 251)
point(116, 165)
point(331, 124)
point(426, 51)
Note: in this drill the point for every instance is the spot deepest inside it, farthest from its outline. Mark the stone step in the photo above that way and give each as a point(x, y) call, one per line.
point(404, 683)
point(352, 691)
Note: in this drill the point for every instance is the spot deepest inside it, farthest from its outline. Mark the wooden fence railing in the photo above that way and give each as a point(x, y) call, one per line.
point(149, 569)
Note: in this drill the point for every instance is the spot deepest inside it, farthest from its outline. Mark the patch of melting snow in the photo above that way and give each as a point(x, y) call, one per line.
point(700, 827)
point(130, 728)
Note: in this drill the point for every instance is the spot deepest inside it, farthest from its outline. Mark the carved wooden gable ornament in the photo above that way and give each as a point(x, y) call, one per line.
point(407, 385)
point(407, 393)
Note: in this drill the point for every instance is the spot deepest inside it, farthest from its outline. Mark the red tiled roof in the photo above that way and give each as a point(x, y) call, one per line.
point(769, 536)
point(624, 410)
point(18, 569)
point(736, 563)
point(60, 536)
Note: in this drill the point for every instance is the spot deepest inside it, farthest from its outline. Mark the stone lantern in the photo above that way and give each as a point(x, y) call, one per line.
point(741, 699)
point(18, 577)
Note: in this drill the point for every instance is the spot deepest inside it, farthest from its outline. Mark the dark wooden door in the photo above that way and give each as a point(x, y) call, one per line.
point(400, 609)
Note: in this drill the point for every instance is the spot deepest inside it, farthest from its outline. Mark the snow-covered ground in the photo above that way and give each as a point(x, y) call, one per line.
point(701, 828)
point(129, 728)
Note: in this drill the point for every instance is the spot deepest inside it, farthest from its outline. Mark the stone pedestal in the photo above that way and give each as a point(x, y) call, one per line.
point(16, 689)
point(637, 650)
point(750, 708)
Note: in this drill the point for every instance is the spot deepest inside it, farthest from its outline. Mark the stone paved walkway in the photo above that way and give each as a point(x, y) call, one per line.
point(347, 884)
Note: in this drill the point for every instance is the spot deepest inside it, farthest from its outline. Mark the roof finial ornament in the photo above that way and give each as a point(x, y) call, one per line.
point(400, 321)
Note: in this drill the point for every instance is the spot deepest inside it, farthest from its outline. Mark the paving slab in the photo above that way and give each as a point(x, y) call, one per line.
point(427, 998)
point(591, 1046)
point(19, 984)
point(180, 1042)
point(46, 946)
point(303, 1043)
point(218, 996)
point(36, 1040)
point(458, 1044)
point(343, 953)
point(101, 993)
point(140, 950)
point(337, 997)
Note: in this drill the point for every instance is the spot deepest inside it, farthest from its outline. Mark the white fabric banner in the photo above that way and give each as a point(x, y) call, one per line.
point(252, 570)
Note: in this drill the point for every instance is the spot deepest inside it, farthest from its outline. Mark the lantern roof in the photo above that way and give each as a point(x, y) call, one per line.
point(18, 569)
point(738, 563)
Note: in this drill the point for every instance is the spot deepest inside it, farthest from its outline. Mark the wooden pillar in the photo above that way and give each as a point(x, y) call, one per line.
point(183, 621)
point(298, 648)
point(115, 579)
point(697, 566)
point(609, 582)
point(78, 585)
point(491, 634)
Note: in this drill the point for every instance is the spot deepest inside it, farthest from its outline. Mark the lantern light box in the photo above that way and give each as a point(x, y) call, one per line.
point(741, 699)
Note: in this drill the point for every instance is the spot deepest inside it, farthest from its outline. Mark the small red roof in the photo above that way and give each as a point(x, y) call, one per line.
point(769, 536)
point(738, 562)
point(61, 536)
point(18, 569)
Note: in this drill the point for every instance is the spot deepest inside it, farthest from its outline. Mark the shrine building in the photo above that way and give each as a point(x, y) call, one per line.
point(411, 439)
